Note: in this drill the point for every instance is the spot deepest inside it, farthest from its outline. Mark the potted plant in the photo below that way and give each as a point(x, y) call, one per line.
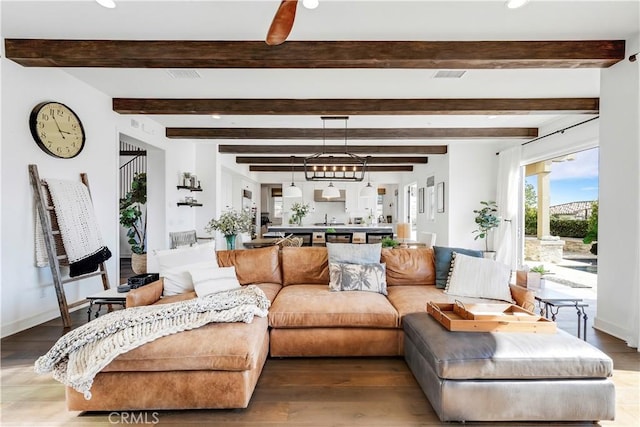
point(230, 223)
point(133, 216)
point(298, 212)
point(536, 277)
point(486, 220)
point(389, 242)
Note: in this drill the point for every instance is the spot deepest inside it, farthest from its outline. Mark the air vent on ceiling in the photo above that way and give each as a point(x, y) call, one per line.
point(449, 74)
point(183, 74)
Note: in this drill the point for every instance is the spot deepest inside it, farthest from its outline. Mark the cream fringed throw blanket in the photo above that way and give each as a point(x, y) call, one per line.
point(80, 354)
point(78, 228)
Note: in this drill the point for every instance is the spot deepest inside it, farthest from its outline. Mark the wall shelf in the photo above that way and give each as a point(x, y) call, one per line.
point(186, 187)
point(189, 204)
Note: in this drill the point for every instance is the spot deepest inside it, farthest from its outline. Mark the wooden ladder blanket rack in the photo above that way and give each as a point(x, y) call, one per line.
point(53, 242)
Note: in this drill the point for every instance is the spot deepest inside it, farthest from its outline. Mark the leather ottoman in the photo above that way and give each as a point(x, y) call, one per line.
point(503, 376)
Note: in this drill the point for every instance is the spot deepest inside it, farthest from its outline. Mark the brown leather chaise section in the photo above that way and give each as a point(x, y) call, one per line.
point(175, 389)
point(414, 266)
point(308, 265)
point(253, 266)
point(215, 346)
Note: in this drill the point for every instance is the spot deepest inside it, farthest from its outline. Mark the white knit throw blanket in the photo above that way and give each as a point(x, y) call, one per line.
point(79, 355)
point(78, 228)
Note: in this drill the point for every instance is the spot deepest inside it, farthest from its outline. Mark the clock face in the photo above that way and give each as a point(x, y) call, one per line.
point(57, 130)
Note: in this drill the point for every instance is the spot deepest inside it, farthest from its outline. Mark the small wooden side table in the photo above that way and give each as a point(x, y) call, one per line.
point(108, 297)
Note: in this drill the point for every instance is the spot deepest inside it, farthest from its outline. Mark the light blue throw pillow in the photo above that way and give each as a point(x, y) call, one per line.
point(354, 253)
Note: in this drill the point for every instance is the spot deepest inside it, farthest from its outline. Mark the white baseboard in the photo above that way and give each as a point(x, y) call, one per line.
point(23, 324)
point(612, 329)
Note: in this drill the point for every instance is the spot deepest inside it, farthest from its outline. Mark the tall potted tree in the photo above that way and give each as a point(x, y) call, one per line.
point(133, 216)
point(486, 220)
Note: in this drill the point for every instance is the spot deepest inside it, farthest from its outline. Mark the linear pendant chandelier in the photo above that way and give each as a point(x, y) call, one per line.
point(327, 167)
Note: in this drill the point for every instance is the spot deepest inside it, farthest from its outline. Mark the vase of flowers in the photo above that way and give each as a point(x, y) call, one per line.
point(298, 212)
point(230, 223)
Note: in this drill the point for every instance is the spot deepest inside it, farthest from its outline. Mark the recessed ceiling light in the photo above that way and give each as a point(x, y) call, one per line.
point(216, 116)
point(514, 4)
point(310, 4)
point(109, 4)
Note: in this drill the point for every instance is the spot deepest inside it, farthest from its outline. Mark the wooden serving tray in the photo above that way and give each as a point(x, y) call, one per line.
point(504, 312)
point(489, 321)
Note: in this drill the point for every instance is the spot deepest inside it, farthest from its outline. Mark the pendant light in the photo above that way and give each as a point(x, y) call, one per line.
point(292, 191)
point(368, 191)
point(330, 192)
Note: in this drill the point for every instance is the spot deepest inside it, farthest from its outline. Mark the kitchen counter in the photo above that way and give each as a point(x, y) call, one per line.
point(316, 235)
point(354, 228)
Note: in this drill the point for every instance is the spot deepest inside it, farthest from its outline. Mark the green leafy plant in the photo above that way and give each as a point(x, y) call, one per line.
point(540, 269)
point(133, 213)
point(331, 230)
point(388, 242)
point(231, 222)
point(486, 219)
point(592, 230)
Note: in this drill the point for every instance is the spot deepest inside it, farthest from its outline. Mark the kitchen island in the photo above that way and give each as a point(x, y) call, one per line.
point(318, 235)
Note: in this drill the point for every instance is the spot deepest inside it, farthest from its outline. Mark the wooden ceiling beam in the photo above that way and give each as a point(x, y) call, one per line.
point(357, 133)
point(272, 160)
point(333, 149)
point(278, 168)
point(346, 107)
point(315, 54)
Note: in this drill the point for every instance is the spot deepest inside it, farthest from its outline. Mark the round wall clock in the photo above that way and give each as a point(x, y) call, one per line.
point(57, 129)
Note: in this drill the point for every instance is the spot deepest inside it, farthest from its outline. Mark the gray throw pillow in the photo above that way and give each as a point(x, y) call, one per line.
point(354, 253)
point(443, 256)
point(357, 277)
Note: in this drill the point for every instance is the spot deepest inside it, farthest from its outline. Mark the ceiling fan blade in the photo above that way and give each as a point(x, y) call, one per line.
point(282, 22)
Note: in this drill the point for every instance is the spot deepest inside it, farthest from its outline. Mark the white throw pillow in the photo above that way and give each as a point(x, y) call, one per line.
point(174, 266)
point(209, 280)
point(479, 277)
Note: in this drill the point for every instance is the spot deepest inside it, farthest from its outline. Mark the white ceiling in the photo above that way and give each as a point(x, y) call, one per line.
point(333, 20)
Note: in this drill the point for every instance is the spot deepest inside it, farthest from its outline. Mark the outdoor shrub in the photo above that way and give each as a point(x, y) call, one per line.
point(559, 227)
point(530, 222)
point(569, 227)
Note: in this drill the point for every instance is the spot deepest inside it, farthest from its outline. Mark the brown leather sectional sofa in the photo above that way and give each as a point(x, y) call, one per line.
point(218, 365)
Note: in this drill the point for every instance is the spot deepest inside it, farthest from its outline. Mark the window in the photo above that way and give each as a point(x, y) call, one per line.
point(379, 206)
point(277, 207)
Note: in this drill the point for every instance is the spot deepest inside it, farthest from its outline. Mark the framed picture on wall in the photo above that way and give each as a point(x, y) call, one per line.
point(431, 198)
point(421, 200)
point(440, 196)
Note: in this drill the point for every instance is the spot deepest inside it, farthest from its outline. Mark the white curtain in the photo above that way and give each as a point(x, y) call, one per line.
point(505, 237)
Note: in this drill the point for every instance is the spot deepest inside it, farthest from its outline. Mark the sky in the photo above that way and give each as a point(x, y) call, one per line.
point(574, 180)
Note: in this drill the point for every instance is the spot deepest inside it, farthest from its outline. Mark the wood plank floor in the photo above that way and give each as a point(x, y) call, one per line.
point(291, 392)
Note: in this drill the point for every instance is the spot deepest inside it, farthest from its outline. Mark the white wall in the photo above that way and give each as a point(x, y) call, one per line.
point(28, 295)
point(438, 167)
point(619, 212)
point(472, 179)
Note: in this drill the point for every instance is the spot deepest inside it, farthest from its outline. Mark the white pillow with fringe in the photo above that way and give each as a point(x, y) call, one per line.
point(479, 278)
